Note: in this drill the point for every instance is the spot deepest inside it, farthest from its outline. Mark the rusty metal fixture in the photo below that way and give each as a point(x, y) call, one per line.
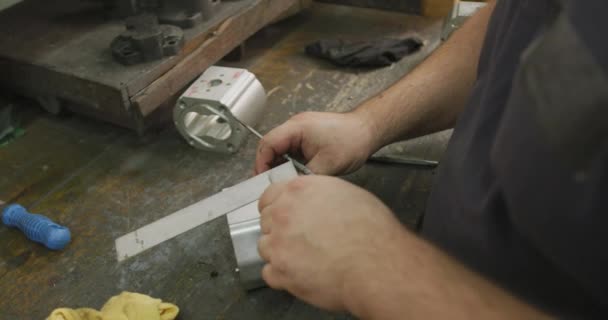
point(146, 40)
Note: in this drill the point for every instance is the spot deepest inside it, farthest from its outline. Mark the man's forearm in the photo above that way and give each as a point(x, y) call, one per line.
point(417, 281)
point(431, 97)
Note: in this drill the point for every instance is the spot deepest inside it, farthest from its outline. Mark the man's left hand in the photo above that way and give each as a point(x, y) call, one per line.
point(319, 234)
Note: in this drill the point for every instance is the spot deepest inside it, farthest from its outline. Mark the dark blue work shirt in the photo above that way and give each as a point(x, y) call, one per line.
point(522, 192)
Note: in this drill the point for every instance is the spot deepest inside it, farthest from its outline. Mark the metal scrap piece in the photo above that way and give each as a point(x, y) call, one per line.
point(199, 213)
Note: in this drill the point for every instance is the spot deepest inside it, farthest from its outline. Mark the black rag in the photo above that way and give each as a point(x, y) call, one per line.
point(372, 53)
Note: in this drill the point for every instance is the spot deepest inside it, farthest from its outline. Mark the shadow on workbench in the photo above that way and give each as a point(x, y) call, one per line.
point(103, 181)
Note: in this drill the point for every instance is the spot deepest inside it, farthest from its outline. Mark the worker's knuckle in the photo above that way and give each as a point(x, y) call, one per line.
point(264, 144)
point(272, 214)
point(261, 149)
point(265, 247)
point(297, 185)
point(334, 161)
point(281, 261)
point(269, 277)
point(281, 216)
point(264, 204)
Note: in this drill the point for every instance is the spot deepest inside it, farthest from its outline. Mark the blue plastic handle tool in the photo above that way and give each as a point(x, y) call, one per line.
point(36, 227)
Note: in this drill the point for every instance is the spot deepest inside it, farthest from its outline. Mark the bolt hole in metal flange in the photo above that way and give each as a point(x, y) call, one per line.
point(215, 82)
point(201, 126)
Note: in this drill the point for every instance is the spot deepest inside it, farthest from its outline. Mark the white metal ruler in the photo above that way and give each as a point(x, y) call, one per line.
point(199, 213)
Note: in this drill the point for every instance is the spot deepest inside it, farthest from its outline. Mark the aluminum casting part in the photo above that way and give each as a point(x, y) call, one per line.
point(145, 40)
point(209, 113)
point(199, 213)
point(244, 226)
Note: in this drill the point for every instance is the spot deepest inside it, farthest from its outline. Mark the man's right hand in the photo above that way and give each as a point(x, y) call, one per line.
point(331, 143)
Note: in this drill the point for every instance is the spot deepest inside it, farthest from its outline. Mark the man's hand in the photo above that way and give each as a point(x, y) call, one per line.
point(338, 247)
point(331, 143)
point(317, 232)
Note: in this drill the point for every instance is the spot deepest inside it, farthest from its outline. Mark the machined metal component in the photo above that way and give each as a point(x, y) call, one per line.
point(210, 112)
point(244, 225)
point(146, 40)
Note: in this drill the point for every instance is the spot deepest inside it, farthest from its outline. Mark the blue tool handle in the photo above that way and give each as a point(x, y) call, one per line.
point(36, 227)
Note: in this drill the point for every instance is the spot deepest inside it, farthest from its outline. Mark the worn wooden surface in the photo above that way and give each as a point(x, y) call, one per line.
point(437, 8)
point(429, 8)
point(227, 36)
point(103, 181)
point(405, 6)
point(61, 50)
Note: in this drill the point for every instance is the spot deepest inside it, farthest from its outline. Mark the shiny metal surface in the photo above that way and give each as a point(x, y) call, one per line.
point(244, 225)
point(215, 206)
point(206, 114)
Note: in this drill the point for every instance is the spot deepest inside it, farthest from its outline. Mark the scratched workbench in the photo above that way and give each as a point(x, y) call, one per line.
point(103, 181)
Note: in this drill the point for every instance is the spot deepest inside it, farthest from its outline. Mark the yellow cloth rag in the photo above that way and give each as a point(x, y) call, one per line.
point(126, 306)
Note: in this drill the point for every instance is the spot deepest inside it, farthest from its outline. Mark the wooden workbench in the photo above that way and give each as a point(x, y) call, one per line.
point(103, 181)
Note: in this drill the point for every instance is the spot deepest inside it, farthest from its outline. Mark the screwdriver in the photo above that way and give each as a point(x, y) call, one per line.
point(36, 227)
point(300, 166)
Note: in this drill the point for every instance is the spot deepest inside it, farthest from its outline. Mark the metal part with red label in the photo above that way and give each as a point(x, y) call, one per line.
point(206, 114)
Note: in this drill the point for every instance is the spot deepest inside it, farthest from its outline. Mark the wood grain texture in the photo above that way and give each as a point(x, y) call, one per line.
point(61, 49)
point(222, 40)
point(437, 8)
point(103, 181)
point(405, 6)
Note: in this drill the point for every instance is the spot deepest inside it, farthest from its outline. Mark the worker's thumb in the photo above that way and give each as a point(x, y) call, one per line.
point(323, 165)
